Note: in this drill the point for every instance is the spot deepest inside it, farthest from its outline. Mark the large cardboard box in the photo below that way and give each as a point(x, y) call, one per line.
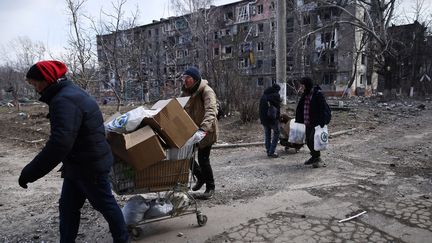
point(140, 148)
point(172, 123)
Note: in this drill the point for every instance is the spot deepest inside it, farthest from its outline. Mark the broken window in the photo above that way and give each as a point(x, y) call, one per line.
point(228, 16)
point(179, 54)
point(328, 39)
point(273, 26)
point(244, 62)
point(307, 61)
point(245, 47)
point(306, 19)
point(307, 42)
point(260, 27)
point(273, 63)
point(272, 6)
point(260, 9)
point(216, 51)
point(328, 78)
point(227, 49)
point(260, 82)
point(216, 35)
point(326, 14)
point(259, 63)
point(260, 46)
point(181, 24)
point(290, 25)
point(289, 59)
point(243, 13)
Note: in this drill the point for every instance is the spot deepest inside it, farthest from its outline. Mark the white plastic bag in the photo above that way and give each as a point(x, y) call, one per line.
point(296, 132)
point(158, 208)
point(129, 121)
point(321, 138)
point(196, 138)
point(134, 210)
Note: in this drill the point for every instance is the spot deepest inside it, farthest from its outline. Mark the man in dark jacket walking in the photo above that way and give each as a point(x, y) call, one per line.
point(311, 110)
point(78, 141)
point(269, 111)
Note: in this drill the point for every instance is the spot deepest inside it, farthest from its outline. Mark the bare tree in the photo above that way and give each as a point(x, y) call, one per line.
point(198, 15)
point(80, 56)
point(22, 53)
point(118, 48)
point(374, 23)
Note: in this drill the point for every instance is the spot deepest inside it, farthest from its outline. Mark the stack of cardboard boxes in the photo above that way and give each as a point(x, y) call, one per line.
point(145, 149)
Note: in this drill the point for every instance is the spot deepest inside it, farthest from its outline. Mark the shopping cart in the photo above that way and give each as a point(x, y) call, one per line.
point(169, 178)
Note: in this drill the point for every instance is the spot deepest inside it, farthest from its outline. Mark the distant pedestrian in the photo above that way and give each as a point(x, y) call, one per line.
point(312, 110)
point(269, 111)
point(202, 108)
point(78, 141)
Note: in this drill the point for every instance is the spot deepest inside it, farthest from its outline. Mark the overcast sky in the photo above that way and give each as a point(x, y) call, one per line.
point(47, 20)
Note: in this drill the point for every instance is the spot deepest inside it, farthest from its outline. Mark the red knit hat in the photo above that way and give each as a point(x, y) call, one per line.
point(48, 71)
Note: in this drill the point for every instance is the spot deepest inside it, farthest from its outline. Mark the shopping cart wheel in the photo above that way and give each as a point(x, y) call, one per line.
point(135, 232)
point(202, 219)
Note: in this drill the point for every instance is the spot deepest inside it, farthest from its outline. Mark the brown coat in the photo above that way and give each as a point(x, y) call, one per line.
point(202, 108)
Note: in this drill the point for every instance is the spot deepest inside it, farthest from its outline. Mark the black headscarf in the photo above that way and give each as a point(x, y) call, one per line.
point(308, 83)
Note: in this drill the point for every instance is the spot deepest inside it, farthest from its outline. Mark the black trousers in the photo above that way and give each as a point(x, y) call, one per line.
point(203, 170)
point(99, 194)
point(310, 132)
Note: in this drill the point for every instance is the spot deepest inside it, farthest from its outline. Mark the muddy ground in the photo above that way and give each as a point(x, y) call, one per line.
point(383, 157)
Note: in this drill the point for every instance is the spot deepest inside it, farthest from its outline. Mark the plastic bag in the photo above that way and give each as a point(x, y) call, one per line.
point(180, 201)
point(130, 120)
point(196, 138)
point(158, 208)
point(134, 210)
point(321, 138)
point(296, 132)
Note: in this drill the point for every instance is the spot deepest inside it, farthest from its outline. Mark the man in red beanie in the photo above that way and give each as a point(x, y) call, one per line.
point(78, 141)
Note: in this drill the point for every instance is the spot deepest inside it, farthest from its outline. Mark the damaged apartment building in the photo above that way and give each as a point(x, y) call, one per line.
point(234, 47)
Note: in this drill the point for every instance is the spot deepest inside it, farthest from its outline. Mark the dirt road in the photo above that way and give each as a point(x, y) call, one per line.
point(383, 168)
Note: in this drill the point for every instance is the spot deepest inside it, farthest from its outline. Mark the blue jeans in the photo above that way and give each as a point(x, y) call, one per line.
point(98, 192)
point(271, 142)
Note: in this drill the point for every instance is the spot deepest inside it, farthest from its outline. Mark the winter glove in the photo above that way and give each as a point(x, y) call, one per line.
point(197, 137)
point(22, 181)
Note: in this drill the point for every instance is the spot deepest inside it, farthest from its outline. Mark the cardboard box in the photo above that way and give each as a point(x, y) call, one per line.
point(172, 123)
point(140, 148)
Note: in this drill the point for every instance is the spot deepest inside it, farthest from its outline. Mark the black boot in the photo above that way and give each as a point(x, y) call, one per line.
point(208, 194)
point(198, 185)
point(310, 161)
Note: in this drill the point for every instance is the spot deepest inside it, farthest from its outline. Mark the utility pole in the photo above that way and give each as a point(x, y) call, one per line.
point(281, 48)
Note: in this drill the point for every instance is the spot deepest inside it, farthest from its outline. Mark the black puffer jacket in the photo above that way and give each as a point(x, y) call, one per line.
point(316, 111)
point(271, 94)
point(77, 136)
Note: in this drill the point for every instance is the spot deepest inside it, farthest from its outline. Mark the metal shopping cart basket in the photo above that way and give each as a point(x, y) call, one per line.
point(169, 177)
